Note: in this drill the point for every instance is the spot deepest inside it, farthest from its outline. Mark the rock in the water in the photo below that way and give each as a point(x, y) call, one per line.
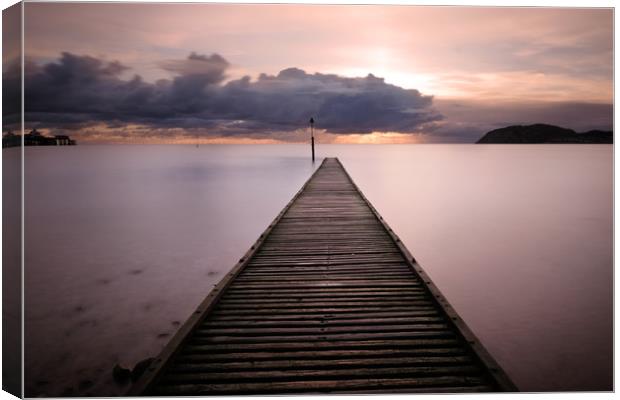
point(140, 367)
point(120, 374)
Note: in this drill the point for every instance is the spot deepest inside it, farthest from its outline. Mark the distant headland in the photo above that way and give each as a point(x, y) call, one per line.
point(543, 133)
point(35, 138)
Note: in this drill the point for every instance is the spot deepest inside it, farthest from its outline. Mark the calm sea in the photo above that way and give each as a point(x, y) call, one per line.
point(123, 242)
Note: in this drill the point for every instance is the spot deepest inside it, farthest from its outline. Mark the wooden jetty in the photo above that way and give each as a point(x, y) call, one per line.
point(328, 300)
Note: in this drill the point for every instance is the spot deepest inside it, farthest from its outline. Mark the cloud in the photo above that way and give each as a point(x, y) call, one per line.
point(11, 92)
point(76, 90)
point(94, 98)
point(211, 68)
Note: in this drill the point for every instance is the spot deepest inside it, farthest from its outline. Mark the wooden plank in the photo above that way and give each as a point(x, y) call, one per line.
point(299, 305)
point(279, 301)
point(367, 284)
point(374, 371)
point(201, 365)
point(358, 295)
point(306, 357)
point(261, 323)
point(327, 290)
point(318, 330)
point(408, 313)
point(199, 338)
point(323, 345)
point(323, 277)
point(327, 300)
point(319, 311)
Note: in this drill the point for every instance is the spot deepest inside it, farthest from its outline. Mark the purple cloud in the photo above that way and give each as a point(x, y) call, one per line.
point(77, 90)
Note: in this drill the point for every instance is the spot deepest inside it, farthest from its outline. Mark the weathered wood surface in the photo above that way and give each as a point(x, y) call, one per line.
point(328, 300)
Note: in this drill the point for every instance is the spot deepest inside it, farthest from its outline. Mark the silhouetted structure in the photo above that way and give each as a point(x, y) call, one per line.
point(312, 136)
point(63, 140)
point(35, 138)
point(11, 140)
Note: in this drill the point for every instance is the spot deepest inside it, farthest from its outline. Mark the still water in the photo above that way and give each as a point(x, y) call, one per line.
point(123, 242)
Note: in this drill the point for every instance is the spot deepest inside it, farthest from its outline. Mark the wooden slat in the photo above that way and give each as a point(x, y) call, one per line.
point(324, 345)
point(327, 300)
point(325, 364)
point(334, 310)
point(261, 323)
point(375, 315)
point(446, 349)
point(176, 376)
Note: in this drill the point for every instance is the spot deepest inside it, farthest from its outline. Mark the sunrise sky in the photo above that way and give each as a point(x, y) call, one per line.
point(256, 73)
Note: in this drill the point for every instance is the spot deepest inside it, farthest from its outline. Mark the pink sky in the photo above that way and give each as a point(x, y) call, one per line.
point(476, 57)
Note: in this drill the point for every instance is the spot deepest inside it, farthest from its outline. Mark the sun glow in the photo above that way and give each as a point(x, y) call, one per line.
point(425, 83)
point(379, 138)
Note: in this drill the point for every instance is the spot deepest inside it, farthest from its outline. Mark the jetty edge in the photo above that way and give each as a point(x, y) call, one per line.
point(327, 300)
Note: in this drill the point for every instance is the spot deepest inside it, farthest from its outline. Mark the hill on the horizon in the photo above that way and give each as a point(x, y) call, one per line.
point(543, 133)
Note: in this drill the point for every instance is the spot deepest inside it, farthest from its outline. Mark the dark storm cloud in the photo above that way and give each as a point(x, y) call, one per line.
point(11, 92)
point(11, 53)
point(81, 89)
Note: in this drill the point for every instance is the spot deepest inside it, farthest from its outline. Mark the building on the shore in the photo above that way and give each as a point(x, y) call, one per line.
point(64, 140)
point(35, 138)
